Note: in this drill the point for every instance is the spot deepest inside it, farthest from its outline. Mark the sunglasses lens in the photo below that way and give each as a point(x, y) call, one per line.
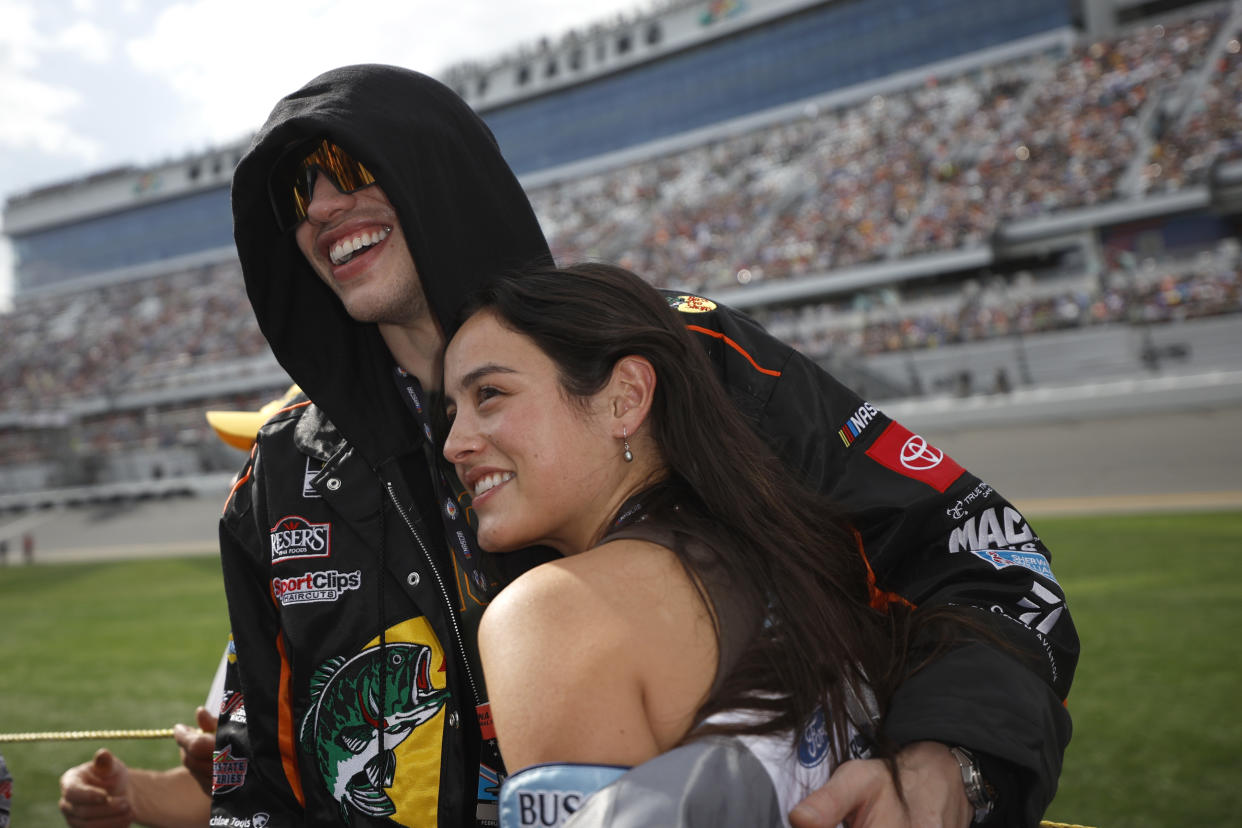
point(292, 182)
point(347, 174)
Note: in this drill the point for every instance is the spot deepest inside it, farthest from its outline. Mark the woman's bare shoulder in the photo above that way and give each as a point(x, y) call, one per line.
point(607, 631)
point(606, 591)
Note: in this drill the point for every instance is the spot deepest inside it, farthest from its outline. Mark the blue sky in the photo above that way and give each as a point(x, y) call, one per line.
point(90, 84)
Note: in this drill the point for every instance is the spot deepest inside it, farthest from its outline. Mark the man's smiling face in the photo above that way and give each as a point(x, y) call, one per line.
point(354, 243)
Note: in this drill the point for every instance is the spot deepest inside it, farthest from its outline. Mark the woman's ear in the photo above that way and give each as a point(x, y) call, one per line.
point(630, 392)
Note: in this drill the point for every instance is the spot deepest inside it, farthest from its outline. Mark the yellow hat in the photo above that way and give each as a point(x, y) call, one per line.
point(239, 428)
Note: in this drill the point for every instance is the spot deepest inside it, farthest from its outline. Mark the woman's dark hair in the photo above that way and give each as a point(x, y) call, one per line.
point(821, 643)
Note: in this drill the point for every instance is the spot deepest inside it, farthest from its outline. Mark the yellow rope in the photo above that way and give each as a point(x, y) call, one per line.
point(1047, 824)
point(85, 735)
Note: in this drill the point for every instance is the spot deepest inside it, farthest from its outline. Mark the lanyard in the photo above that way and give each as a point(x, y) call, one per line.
point(453, 503)
point(474, 589)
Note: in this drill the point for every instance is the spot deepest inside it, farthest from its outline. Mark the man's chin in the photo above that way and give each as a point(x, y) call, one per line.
point(364, 303)
point(362, 308)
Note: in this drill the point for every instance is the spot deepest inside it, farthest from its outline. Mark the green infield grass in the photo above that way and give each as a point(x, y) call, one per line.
point(102, 646)
point(1157, 600)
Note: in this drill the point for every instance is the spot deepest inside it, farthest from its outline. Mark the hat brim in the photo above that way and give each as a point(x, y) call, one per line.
point(237, 428)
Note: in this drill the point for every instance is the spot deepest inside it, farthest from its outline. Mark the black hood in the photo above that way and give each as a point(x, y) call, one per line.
point(464, 215)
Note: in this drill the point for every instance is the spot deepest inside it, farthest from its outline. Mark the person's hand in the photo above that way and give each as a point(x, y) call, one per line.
point(861, 794)
point(95, 794)
point(197, 746)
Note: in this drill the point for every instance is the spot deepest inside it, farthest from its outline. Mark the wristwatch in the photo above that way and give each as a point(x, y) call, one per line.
point(979, 793)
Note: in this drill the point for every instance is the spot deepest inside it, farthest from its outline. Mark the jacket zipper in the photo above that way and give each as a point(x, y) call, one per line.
point(448, 603)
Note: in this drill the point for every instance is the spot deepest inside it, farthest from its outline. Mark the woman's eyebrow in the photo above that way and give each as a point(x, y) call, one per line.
point(483, 370)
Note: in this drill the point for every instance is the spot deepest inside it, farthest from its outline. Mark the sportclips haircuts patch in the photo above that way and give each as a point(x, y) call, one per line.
point(315, 587)
point(910, 455)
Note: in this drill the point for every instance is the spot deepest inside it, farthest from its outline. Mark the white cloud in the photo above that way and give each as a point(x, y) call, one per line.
point(19, 41)
point(229, 60)
point(34, 119)
point(84, 40)
point(35, 110)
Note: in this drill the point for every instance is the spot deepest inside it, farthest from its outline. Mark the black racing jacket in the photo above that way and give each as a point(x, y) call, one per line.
point(322, 556)
point(934, 535)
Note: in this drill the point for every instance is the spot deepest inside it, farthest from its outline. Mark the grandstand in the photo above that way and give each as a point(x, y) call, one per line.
point(931, 196)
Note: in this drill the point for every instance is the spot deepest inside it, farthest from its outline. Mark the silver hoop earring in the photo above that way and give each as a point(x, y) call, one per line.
point(625, 441)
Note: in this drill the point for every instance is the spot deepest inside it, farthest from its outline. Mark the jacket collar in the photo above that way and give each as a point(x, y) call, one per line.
point(316, 436)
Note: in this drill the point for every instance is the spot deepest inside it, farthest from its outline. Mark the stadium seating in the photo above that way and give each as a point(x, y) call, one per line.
point(934, 167)
point(1210, 284)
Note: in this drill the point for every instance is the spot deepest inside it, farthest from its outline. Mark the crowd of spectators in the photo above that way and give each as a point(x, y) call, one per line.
point(1073, 143)
point(933, 167)
point(930, 168)
point(1206, 130)
point(828, 190)
point(117, 338)
point(1207, 284)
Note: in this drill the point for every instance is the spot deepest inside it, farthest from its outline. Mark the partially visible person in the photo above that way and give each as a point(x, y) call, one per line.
point(6, 793)
point(107, 793)
point(702, 592)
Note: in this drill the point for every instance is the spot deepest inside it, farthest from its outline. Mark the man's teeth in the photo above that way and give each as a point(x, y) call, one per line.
point(346, 248)
point(491, 481)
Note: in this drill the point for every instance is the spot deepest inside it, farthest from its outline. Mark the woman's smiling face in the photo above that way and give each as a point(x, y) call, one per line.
point(543, 469)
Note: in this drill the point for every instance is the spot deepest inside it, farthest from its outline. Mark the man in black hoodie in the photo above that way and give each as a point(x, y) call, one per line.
point(368, 207)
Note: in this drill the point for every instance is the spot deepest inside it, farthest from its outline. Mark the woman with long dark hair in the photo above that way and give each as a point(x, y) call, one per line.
point(703, 596)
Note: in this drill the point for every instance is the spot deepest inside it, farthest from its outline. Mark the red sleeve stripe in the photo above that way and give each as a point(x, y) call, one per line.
point(735, 347)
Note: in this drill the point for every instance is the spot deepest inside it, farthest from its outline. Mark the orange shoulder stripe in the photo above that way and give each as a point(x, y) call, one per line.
point(239, 482)
point(734, 346)
point(880, 599)
point(291, 407)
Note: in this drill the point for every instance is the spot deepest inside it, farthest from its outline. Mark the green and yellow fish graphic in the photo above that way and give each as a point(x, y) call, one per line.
point(349, 708)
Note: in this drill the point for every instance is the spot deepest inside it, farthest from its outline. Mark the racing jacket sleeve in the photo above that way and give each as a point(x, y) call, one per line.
point(251, 773)
point(934, 535)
